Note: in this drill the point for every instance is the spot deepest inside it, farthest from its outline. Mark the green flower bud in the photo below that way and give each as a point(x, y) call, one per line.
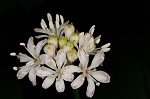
point(50, 49)
point(68, 46)
point(74, 38)
point(72, 55)
point(62, 41)
point(69, 29)
point(53, 40)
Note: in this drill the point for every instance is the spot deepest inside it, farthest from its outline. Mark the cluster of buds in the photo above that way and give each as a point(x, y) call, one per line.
point(62, 46)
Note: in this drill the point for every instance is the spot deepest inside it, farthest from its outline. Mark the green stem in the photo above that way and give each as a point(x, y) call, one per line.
point(76, 94)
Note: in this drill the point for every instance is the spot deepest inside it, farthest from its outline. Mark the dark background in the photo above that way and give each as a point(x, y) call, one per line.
point(125, 24)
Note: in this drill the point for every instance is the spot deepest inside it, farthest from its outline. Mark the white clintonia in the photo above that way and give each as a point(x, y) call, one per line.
point(31, 63)
point(62, 48)
point(53, 29)
point(55, 72)
point(89, 72)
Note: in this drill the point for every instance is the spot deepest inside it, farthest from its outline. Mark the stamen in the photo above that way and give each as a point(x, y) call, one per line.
point(13, 54)
point(15, 68)
point(97, 84)
point(22, 44)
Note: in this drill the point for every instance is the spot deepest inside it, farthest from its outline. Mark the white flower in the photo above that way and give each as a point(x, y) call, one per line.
point(32, 63)
point(56, 29)
point(55, 72)
point(89, 72)
point(86, 42)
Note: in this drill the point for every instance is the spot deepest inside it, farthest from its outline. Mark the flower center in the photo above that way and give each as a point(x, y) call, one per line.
point(85, 71)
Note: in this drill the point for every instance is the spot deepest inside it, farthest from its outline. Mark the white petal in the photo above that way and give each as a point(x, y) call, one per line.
point(23, 72)
point(98, 58)
point(78, 82)
point(50, 62)
point(81, 39)
point(60, 86)
point(48, 82)
point(105, 49)
point(61, 19)
point(40, 30)
point(101, 76)
point(97, 39)
point(60, 58)
point(41, 36)
point(31, 46)
point(24, 57)
point(32, 76)
point(43, 24)
point(44, 71)
point(49, 17)
point(40, 45)
point(67, 76)
point(105, 46)
point(72, 69)
point(42, 58)
point(90, 88)
point(91, 31)
point(57, 21)
point(83, 57)
point(30, 63)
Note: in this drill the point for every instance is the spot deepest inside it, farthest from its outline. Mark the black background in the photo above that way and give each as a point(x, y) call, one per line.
point(125, 24)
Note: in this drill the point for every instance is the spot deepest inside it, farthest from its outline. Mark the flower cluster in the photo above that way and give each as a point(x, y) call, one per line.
point(62, 46)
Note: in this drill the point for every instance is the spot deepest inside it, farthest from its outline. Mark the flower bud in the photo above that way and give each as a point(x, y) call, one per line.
point(50, 49)
point(72, 55)
point(69, 29)
point(62, 41)
point(68, 46)
point(74, 37)
point(53, 40)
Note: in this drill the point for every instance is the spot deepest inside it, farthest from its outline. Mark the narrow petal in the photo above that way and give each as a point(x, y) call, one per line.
point(72, 69)
point(32, 76)
point(97, 39)
point(48, 82)
point(57, 21)
point(90, 88)
point(40, 45)
point(67, 76)
point(60, 58)
point(31, 46)
point(40, 30)
point(105, 46)
point(81, 39)
point(42, 58)
point(24, 57)
point(97, 60)
point(78, 82)
point(83, 57)
point(50, 62)
point(41, 36)
point(105, 49)
point(91, 31)
point(23, 72)
point(60, 85)
point(101, 76)
point(61, 19)
point(44, 71)
point(43, 24)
